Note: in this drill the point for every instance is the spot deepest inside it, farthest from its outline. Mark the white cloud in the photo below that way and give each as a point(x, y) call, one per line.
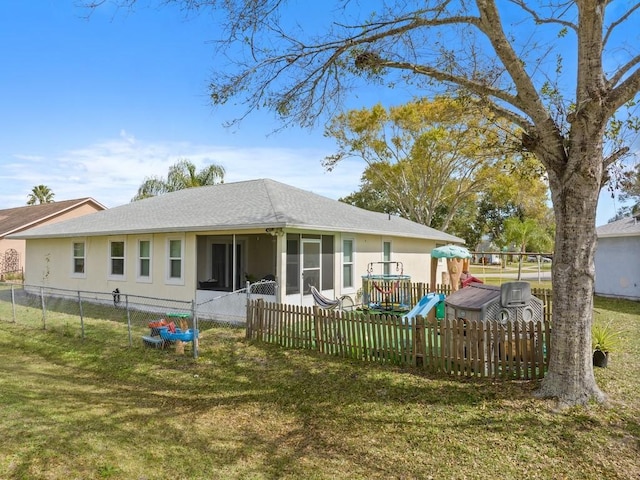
point(111, 171)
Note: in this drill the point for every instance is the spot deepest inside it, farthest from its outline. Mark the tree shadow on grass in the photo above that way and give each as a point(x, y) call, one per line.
point(257, 411)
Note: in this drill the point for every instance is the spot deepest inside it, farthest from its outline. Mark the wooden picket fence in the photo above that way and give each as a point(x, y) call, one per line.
point(516, 350)
point(412, 293)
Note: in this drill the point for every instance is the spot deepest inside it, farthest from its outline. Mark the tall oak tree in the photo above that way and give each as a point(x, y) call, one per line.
point(539, 65)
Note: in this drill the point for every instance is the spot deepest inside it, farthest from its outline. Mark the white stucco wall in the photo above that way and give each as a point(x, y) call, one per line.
point(617, 263)
point(49, 263)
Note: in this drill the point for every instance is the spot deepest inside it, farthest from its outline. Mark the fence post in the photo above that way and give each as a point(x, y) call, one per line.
point(249, 320)
point(418, 340)
point(196, 333)
point(44, 309)
point(126, 301)
point(317, 327)
point(13, 303)
point(81, 314)
point(258, 320)
point(249, 310)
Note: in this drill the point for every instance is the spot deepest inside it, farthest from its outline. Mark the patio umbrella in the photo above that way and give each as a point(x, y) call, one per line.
point(450, 251)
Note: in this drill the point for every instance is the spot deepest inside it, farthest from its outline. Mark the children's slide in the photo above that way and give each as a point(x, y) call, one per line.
point(426, 303)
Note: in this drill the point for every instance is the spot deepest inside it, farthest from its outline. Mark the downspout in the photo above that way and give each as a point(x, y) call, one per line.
point(233, 267)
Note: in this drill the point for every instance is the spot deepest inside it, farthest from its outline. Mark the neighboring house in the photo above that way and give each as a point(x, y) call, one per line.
point(617, 259)
point(202, 241)
point(19, 219)
point(486, 253)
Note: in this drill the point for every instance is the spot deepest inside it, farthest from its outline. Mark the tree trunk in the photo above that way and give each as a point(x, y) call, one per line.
point(520, 265)
point(570, 377)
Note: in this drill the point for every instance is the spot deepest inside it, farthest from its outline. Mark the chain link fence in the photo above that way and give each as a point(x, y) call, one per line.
point(230, 308)
point(85, 313)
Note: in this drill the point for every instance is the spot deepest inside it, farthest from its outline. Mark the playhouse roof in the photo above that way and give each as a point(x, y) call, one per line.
point(473, 296)
point(450, 251)
point(247, 205)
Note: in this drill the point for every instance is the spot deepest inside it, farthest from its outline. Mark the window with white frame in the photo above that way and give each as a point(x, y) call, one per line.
point(175, 260)
point(144, 260)
point(116, 258)
point(79, 258)
point(347, 263)
point(386, 257)
point(440, 260)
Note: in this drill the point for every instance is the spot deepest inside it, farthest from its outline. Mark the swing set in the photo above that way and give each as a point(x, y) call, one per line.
point(386, 292)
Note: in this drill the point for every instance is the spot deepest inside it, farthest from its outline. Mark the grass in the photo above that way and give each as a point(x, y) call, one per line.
point(497, 275)
point(96, 408)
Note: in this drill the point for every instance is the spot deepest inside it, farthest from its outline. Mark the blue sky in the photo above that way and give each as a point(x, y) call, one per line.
point(90, 107)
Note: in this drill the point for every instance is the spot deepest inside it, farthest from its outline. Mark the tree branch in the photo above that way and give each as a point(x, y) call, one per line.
point(528, 97)
point(615, 156)
point(615, 24)
point(623, 93)
point(623, 70)
point(539, 20)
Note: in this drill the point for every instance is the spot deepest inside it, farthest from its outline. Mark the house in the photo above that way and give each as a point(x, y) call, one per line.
point(486, 253)
point(19, 219)
point(199, 242)
point(617, 259)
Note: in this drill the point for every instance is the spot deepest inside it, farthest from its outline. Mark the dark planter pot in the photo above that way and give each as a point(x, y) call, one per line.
point(600, 358)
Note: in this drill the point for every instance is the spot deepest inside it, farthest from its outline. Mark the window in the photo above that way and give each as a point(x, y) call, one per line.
point(440, 260)
point(144, 260)
point(116, 258)
point(386, 257)
point(78, 258)
point(347, 263)
point(175, 266)
point(327, 262)
point(293, 263)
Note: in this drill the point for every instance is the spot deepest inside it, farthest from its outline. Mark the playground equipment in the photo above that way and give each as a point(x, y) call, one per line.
point(512, 301)
point(424, 306)
point(457, 258)
point(386, 291)
point(164, 332)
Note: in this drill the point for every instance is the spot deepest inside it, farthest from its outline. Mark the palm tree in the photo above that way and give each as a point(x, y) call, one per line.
point(40, 194)
point(181, 175)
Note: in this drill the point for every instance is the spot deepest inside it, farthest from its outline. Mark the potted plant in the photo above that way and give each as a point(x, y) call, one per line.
point(603, 340)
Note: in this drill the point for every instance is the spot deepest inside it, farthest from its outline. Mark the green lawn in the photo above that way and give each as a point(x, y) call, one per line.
point(95, 408)
point(497, 275)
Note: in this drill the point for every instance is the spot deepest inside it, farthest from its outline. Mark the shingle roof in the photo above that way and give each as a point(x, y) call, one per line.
point(238, 206)
point(16, 219)
point(628, 226)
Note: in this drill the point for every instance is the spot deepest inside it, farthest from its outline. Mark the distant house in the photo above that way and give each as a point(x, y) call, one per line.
point(198, 242)
point(486, 253)
point(617, 259)
point(19, 219)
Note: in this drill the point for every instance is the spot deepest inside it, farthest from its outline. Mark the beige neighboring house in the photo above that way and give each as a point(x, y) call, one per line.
point(19, 219)
point(201, 242)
